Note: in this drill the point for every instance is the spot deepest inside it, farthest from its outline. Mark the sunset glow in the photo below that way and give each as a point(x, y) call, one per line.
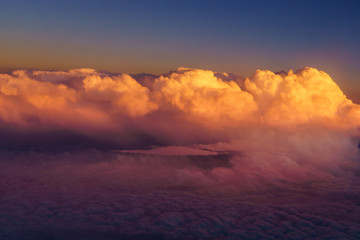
point(154, 120)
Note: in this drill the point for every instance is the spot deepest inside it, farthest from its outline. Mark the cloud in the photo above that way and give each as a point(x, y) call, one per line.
point(205, 97)
point(109, 195)
point(205, 105)
point(189, 154)
point(123, 93)
point(300, 97)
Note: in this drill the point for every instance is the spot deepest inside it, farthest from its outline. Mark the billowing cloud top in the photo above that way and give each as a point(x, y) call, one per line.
point(196, 101)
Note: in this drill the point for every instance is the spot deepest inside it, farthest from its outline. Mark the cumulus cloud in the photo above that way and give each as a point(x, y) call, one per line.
point(123, 93)
point(205, 97)
point(300, 97)
point(204, 104)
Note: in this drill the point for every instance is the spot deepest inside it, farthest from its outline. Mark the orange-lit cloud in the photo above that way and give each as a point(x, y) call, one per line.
point(205, 97)
point(87, 97)
point(301, 97)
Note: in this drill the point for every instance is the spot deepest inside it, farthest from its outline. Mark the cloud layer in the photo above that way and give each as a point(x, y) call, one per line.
point(205, 105)
point(191, 154)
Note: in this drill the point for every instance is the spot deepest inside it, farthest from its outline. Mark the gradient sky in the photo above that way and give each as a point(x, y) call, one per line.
point(158, 36)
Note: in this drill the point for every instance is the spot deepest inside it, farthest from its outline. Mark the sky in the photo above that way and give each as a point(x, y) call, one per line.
point(158, 36)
